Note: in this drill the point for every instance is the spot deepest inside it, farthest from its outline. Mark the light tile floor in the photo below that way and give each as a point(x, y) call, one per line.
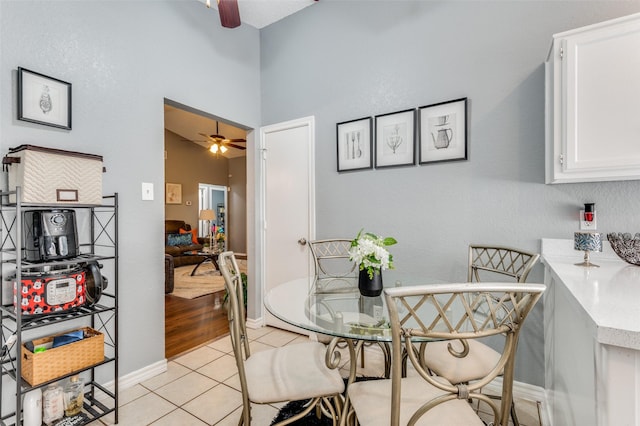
point(202, 388)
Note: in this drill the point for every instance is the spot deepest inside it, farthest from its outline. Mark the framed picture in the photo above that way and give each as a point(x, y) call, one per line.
point(43, 100)
point(354, 144)
point(174, 193)
point(443, 131)
point(395, 139)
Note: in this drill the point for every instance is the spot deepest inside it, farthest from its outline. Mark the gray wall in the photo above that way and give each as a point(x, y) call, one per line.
point(189, 164)
point(237, 199)
point(123, 58)
point(342, 60)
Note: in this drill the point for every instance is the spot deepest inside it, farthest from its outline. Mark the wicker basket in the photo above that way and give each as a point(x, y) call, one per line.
point(41, 367)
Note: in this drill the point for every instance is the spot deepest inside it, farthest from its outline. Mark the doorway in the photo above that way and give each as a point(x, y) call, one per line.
point(214, 199)
point(215, 181)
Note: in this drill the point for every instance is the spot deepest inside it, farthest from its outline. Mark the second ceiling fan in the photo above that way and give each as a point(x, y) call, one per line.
point(221, 143)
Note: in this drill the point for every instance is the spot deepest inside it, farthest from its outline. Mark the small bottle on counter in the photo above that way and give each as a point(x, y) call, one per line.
point(52, 404)
point(32, 408)
point(73, 396)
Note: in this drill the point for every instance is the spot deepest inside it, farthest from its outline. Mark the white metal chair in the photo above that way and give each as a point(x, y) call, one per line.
point(334, 271)
point(290, 373)
point(506, 261)
point(444, 312)
point(462, 365)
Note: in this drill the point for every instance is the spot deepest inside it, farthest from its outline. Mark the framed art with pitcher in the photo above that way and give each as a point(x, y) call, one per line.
point(443, 131)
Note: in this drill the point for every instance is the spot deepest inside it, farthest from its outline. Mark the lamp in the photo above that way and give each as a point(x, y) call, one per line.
point(208, 215)
point(587, 241)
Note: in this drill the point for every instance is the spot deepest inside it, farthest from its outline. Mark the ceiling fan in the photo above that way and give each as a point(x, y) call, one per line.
point(220, 144)
point(229, 12)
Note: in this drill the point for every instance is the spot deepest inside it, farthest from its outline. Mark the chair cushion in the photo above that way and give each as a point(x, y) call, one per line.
point(291, 373)
point(479, 361)
point(372, 403)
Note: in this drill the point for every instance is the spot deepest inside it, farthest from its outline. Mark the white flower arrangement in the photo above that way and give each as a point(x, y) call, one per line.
point(369, 252)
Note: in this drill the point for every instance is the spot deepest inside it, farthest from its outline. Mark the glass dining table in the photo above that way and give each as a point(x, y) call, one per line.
point(334, 307)
point(330, 306)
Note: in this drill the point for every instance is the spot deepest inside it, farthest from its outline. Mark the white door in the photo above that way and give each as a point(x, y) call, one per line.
point(288, 206)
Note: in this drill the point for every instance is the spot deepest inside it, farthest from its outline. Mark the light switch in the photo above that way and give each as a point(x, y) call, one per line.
point(147, 191)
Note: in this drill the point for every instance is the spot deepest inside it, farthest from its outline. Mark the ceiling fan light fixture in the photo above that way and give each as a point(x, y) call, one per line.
point(218, 147)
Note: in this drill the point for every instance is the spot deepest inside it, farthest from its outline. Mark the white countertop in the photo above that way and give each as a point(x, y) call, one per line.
point(609, 294)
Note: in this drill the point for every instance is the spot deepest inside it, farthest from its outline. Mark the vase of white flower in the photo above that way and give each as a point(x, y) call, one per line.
point(369, 252)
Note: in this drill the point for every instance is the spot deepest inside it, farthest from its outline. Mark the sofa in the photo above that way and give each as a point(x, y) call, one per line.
point(176, 244)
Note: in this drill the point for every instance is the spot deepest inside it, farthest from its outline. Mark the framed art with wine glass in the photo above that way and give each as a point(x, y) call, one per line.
point(443, 131)
point(395, 139)
point(354, 145)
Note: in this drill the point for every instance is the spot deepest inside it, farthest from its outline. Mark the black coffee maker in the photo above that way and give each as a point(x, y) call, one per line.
point(49, 235)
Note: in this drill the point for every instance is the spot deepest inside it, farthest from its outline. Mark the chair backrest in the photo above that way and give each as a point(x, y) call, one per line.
point(459, 312)
point(507, 261)
point(331, 258)
point(237, 322)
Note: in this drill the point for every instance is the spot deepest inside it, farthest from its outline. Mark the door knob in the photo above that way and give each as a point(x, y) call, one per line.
point(302, 241)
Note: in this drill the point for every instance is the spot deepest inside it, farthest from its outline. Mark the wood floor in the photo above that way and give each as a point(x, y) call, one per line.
point(190, 323)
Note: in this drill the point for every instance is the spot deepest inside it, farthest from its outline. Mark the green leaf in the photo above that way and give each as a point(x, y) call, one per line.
point(389, 241)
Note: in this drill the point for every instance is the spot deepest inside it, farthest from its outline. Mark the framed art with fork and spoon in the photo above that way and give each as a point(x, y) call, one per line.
point(354, 145)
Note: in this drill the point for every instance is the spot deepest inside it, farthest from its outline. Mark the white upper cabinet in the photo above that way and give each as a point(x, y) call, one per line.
point(593, 103)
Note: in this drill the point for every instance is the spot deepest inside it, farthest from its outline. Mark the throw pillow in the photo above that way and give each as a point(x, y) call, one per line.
point(179, 239)
point(194, 234)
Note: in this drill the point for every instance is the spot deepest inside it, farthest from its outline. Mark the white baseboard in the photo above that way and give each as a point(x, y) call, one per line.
point(255, 323)
point(138, 376)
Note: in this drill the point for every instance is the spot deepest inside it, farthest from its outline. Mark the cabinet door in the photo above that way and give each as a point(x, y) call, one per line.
point(599, 88)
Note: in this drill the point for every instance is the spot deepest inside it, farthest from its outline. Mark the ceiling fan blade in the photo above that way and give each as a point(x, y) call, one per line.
point(212, 138)
point(233, 145)
point(234, 140)
point(229, 13)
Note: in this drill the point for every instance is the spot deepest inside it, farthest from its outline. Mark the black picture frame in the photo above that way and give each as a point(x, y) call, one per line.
point(43, 100)
point(443, 132)
point(354, 144)
point(395, 139)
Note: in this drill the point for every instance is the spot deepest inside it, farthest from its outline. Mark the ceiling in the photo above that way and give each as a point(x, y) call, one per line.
point(189, 125)
point(260, 13)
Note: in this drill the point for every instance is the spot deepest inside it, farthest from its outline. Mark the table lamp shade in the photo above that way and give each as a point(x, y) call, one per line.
point(587, 241)
point(207, 214)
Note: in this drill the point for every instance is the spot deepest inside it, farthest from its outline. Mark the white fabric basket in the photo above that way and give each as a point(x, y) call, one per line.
point(54, 176)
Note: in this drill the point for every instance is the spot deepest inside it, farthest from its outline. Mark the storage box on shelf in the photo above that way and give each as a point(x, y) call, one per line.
point(96, 357)
point(54, 176)
point(50, 364)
